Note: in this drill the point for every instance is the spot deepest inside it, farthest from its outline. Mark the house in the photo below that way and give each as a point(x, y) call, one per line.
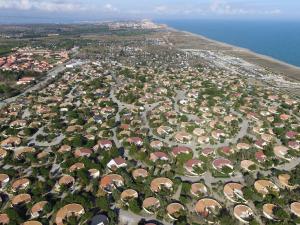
point(4, 219)
point(150, 205)
point(3, 153)
point(268, 211)
point(128, 195)
point(105, 144)
point(154, 156)
point(67, 211)
point(83, 152)
point(260, 156)
point(21, 199)
point(10, 142)
point(248, 165)
point(208, 152)
point(243, 213)
point(220, 163)
point(182, 137)
point(157, 184)
point(37, 208)
point(295, 208)
point(181, 150)
point(64, 148)
point(206, 206)
point(4, 179)
point(174, 209)
point(191, 164)
point(156, 144)
point(281, 151)
point(32, 222)
point(142, 173)
point(20, 184)
point(233, 191)
point(76, 166)
point(135, 140)
point(284, 181)
point(116, 163)
point(198, 189)
point(264, 186)
point(21, 151)
point(65, 180)
point(110, 182)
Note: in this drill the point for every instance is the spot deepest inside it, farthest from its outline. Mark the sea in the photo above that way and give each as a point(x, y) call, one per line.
point(277, 39)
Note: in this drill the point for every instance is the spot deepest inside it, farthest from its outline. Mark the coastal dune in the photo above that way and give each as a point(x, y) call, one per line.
point(187, 40)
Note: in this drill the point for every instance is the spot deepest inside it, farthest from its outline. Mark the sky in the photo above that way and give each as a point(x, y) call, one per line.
point(99, 10)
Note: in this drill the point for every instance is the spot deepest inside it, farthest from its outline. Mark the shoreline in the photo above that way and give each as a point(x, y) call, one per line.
point(288, 70)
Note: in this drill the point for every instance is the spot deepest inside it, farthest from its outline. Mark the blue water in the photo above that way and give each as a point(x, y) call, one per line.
point(280, 40)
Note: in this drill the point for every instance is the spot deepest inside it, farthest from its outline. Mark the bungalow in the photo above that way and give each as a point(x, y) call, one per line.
point(281, 151)
point(264, 186)
point(156, 144)
point(234, 193)
point(154, 156)
point(284, 180)
point(208, 152)
point(65, 180)
point(21, 199)
point(295, 208)
point(135, 140)
point(243, 146)
point(247, 164)
point(3, 153)
point(116, 163)
point(206, 206)
point(260, 156)
point(294, 145)
point(260, 143)
point(226, 150)
point(243, 213)
point(220, 163)
point(191, 164)
point(20, 184)
point(182, 137)
point(64, 148)
point(198, 131)
point(18, 124)
point(158, 183)
point(203, 139)
point(105, 144)
point(67, 211)
point(164, 130)
point(291, 134)
point(181, 150)
point(4, 179)
point(110, 182)
point(218, 134)
point(150, 205)
point(268, 210)
point(4, 219)
point(37, 208)
point(139, 173)
point(83, 152)
point(199, 189)
point(32, 222)
point(76, 166)
point(174, 209)
point(128, 195)
point(10, 142)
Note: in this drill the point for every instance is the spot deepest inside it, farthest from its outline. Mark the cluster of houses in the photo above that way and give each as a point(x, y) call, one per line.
point(176, 145)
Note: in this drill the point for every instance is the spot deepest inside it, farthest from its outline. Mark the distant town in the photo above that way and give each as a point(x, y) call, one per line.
point(136, 123)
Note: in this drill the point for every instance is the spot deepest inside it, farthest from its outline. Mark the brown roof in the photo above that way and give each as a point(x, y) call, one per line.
point(4, 219)
point(128, 194)
point(233, 190)
point(198, 188)
point(20, 199)
point(268, 210)
point(263, 186)
point(37, 207)
point(150, 202)
point(242, 212)
point(32, 222)
point(111, 180)
point(20, 183)
point(68, 210)
point(76, 166)
point(139, 173)
point(3, 177)
point(295, 208)
point(174, 208)
point(206, 205)
point(66, 179)
point(158, 182)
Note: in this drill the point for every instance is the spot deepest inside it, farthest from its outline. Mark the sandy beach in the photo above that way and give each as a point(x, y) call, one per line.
point(188, 40)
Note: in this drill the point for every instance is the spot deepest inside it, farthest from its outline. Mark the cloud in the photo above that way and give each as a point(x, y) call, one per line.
point(41, 5)
point(222, 7)
point(110, 8)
